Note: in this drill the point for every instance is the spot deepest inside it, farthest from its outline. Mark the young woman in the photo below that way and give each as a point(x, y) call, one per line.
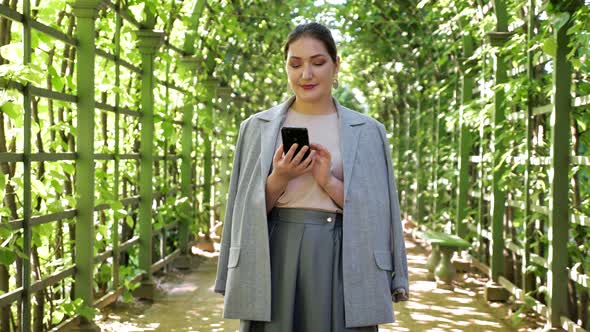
point(315, 243)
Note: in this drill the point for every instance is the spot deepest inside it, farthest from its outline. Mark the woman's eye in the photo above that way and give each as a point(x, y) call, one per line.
point(319, 64)
point(295, 66)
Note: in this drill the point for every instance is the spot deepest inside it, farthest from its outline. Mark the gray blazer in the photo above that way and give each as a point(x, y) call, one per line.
point(371, 218)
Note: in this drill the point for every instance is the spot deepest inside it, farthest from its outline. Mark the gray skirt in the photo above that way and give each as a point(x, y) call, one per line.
point(306, 273)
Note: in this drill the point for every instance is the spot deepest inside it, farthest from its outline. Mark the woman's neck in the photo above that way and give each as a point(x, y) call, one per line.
point(325, 106)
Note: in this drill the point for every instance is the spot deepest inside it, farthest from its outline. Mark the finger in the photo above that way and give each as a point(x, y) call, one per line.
point(310, 166)
point(278, 153)
point(325, 152)
point(316, 146)
point(307, 161)
point(291, 152)
point(300, 154)
point(320, 148)
point(307, 166)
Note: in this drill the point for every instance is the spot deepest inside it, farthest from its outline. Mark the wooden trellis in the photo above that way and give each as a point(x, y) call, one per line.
point(138, 105)
point(515, 229)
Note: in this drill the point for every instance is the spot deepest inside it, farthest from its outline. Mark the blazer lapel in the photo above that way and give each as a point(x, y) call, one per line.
point(349, 135)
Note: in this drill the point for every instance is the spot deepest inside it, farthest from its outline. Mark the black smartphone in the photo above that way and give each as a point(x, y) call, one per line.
point(292, 135)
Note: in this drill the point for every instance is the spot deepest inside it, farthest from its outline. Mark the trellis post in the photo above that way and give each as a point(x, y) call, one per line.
point(557, 276)
point(225, 161)
point(86, 13)
point(438, 132)
point(408, 197)
point(498, 39)
point(190, 63)
point(420, 181)
point(464, 139)
point(25, 305)
point(527, 276)
point(148, 43)
point(401, 121)
point(211, 86)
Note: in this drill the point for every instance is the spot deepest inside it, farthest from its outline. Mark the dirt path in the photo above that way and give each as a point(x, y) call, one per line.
point(186, 302)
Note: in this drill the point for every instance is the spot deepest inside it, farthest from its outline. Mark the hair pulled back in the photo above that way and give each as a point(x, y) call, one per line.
point(314, 30)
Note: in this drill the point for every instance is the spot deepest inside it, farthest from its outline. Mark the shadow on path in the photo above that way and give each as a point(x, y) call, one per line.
point(434, 309)
point(186, 302)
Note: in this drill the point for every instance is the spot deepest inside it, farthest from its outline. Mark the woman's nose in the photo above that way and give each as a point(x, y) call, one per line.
point(307, 73)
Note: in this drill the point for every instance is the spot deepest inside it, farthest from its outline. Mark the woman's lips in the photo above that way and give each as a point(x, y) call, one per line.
point(309, 86)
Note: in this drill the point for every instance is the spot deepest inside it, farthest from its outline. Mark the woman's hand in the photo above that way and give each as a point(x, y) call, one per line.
point(323, 162)
point(323, 175)
point(289, 166)
point(283, 170)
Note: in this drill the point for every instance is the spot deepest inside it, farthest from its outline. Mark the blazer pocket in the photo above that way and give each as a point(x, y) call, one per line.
point(383, 259)
point(234, 257)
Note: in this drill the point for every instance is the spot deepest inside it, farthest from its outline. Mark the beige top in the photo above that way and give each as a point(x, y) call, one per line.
point(303, 191)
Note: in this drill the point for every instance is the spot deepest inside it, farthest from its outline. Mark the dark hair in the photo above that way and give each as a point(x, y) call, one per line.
point(315, 30)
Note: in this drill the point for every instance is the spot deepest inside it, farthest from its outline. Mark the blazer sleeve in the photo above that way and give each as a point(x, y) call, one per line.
point(227, 222)
point(399, 278)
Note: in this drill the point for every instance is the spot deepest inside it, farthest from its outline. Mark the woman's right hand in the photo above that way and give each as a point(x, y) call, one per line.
point(284, 169)
point(289, 166)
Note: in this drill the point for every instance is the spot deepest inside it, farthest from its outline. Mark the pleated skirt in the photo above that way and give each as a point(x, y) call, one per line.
point(306, 274)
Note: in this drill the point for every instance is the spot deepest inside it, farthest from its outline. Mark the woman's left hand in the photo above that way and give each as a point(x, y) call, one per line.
point(323, 162)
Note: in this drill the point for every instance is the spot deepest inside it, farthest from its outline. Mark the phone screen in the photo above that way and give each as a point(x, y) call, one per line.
point(292, 135)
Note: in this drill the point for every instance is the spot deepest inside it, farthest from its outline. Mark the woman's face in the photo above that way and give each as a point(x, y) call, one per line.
point(310, 69)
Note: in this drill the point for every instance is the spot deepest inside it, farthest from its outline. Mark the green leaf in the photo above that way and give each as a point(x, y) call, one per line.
point(576, 63)
point(137, 10)
point(550, 46)
point(128, 297)
point(167, 128)
point(7, 256)
point(44, 40)
point(12, 110)
point(70, 83)
point(56, 81)
point(582, 124)
point(12, 52)
point(39, 187)
point(57, 317)
point(116, 205)
point(5, 231)
point(129, 221)
point(68, 168)
point(422, 3)
point(57, 185)
point(559, 20)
